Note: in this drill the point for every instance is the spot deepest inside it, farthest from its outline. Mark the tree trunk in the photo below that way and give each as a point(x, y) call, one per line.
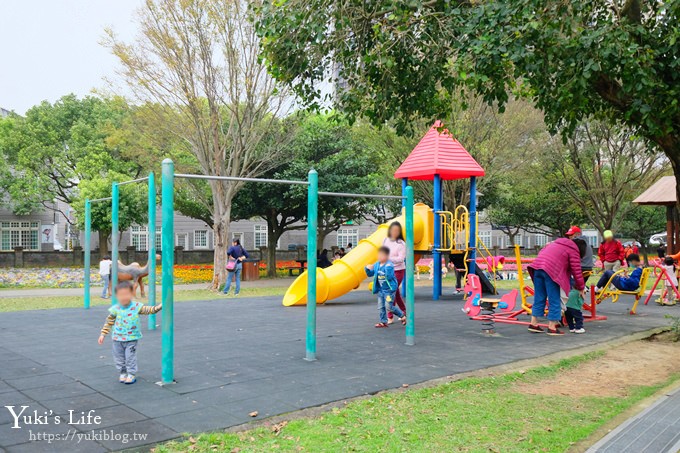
point(222, 209)
point(674, 156)
point(103, 243)
point(272, 239)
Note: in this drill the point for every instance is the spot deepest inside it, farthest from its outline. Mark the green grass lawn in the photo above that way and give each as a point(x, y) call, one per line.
point(43, 303)
point(472, 415)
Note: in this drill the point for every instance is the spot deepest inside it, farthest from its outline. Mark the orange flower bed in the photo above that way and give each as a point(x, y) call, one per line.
point(199, 273)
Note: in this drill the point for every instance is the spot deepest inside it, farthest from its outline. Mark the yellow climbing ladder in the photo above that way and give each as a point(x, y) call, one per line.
point(455, 232)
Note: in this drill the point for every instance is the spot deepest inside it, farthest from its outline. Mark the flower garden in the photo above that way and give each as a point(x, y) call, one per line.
point(72, 277)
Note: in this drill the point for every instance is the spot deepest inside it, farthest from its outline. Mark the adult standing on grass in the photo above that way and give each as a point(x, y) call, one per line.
point(235, 256)
point(105, 274)
point(395, 242)
point(551, 272)
point(611, 252)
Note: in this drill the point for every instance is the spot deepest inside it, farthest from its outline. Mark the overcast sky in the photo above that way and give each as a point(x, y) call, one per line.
point(50, 48)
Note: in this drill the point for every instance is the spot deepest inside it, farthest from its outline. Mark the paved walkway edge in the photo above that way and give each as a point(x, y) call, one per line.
point(648, 405)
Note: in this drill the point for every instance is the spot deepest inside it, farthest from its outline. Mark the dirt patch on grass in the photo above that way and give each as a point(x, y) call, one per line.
point(645, 362)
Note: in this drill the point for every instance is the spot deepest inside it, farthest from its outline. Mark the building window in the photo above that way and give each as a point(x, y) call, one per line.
point(485, 237)
point(201, 239)
point(260, 236)
point(519, 240)
point(541, 240)
point(20, 234)
point(159, 238)
point(347, 236)
point(139, 237)
point(500, 241)
point(593, 241)
point(182, 241)
point(237, 235)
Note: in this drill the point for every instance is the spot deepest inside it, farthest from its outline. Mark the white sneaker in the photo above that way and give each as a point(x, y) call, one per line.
point(572, 330)
point(131, 379)
point(123, 377)
point(581, 330)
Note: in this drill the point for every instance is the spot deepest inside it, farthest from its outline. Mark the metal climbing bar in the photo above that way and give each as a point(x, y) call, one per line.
point(360, 195)
point(100, 199)
point(132, 181)
point(234, 178)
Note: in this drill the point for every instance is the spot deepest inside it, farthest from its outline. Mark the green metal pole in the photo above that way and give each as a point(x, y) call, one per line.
point(152, 249)
point(410, 266)
point(115, 199)
point(168, 261)
point(86, 258)
point(312, 221)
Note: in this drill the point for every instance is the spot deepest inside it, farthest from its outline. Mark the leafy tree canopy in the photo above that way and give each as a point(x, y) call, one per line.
point(407, 60)
point(56, 146)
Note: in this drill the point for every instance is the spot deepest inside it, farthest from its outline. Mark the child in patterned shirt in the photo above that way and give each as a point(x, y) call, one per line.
point(124, 319)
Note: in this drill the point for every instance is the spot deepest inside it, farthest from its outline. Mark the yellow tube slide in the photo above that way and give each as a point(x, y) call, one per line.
point(347, 273)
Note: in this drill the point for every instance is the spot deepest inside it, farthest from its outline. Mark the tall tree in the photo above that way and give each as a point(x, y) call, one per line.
point(55, 146)
point(406, 60)
point(346, 156)
point(196, 63)
point(642, 222)
point(132, 206)
point(603, 168)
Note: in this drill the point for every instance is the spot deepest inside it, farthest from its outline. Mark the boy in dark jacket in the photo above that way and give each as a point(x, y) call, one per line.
point(385, 285)
point(630, 283)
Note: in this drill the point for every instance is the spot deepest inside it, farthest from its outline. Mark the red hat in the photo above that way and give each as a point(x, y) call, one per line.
point(572, 230)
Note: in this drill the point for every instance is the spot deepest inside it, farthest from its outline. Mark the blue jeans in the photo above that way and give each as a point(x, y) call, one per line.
point(385, 303)
point(605, 278)
point(230, 275)
point(546, 290)
point(105, 280)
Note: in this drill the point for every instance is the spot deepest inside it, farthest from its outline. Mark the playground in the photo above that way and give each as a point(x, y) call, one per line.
point(216, 362)
point(238, 356)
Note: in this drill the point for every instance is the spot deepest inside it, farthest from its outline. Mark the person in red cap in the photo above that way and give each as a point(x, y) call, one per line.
point(574, 233)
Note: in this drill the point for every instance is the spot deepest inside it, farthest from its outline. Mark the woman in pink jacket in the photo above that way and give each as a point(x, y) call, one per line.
point(551, 272)
point(395, 242)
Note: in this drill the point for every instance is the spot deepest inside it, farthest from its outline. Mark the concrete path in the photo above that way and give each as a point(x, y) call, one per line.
point(234, 356)
point(654, 430)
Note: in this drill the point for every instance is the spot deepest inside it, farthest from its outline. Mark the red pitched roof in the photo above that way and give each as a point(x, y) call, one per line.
point(439, 153)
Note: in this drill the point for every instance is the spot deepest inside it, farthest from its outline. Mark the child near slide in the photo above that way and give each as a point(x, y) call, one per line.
point(124, 320)
point(385, 285)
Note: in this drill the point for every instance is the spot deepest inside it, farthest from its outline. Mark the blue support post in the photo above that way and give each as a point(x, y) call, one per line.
point(312, 223)
point(472, 254)
point(404, 203)
point(436, 254)
point(115, 203)
point(168, 262)
point(410, 266)
point(152, 249)
point(86, 251)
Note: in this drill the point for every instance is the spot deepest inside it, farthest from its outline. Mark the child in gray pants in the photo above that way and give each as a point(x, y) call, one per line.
point(124, 319)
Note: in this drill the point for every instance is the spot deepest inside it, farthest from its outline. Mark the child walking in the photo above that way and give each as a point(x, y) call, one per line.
point(385, 285)
point(574, 313)
point(105, 273)
point(124, 319)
